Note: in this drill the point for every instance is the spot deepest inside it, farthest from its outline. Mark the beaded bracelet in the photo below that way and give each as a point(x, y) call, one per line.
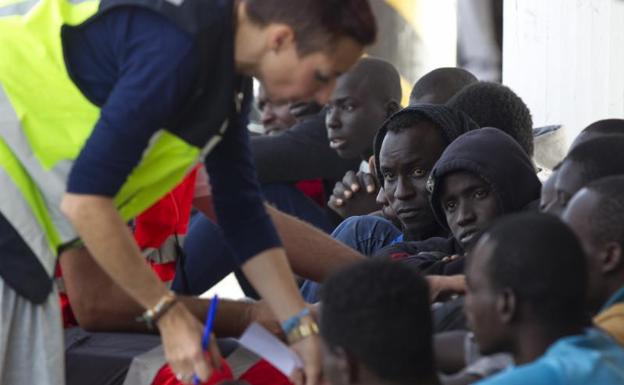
point(294, 321)
point(151, 316)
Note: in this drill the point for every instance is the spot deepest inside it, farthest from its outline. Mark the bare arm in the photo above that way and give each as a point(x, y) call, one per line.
point(109, 240)
point(311, 253)
point(100, 305)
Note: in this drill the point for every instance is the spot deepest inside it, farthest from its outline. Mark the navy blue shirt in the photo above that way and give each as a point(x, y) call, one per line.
point(141, 69)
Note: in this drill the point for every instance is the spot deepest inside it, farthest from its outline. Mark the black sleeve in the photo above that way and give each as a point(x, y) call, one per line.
point(300, 153)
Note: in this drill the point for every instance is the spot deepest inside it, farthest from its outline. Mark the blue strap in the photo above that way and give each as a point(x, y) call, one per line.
point(293, 322)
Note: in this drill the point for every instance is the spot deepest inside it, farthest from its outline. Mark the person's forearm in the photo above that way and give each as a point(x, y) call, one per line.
point(271, 276)
point(110, 242)
point(311, 253)
point(100, 305)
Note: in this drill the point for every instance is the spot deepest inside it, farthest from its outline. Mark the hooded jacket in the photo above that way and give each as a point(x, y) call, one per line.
point(495, 157)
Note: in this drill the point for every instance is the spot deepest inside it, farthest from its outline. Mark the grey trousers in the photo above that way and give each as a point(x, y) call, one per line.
point(31, 340)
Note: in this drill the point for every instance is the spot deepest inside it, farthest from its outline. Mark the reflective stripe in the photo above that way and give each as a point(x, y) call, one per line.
point(21, 216)
point(216, 139)
point(22, 7)
point(167, 252)
point(145, 367)
point(50, 183)
point(18, 8)
point(177, 3)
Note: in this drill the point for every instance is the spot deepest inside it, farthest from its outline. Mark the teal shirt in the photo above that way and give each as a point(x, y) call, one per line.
point(592, 358)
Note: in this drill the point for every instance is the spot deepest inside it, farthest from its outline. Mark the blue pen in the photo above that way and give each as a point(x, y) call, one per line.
point(212, 311)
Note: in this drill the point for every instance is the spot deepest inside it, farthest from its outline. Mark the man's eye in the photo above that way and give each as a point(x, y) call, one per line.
point(449, 206)
point(481, 194)
point(388, 176)
point(419, 172)
point(322, 78)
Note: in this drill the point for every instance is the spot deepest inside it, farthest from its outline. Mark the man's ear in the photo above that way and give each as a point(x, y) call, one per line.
point(506, 306)
point(279, 36)
point(392, 107)
point(611, 257)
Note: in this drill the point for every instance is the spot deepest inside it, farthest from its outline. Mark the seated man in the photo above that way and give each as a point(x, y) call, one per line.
point(495, 105)
point(275, 117)
point(294, 159)
point(594, 159)
point(363, 99)
point(440, 85)
point(601, 128)
point(354, 194)
point(596, 215)
point(300, 152)
point(525, 278)
point(376, 327)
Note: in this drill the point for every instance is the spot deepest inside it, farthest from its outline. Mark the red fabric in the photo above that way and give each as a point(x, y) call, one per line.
point(69, 320)
point(264, 373)
point(164, 271)
point(314, 189)
point(168, 216)
point(166, 376)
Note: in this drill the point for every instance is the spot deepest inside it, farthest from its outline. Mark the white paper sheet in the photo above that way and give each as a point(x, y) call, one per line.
point(266, 345)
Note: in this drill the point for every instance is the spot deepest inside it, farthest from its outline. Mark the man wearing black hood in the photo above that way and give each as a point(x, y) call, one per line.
point(482, 175)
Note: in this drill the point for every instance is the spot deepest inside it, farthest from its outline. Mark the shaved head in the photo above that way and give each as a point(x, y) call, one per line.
point(363, 99)
point(372, 75)
point(606, 127)
point(440, 85)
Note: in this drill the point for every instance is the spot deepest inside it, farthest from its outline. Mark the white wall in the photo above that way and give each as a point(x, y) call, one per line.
point(565, 58)
point(437, 24)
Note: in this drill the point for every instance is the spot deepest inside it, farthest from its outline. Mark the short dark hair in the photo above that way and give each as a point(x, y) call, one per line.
point(540, 259)
point(318, 23)
point(442, 84)
point(379, 312)
point(495, 105)
point(606, 127)
point(599, 157)
point(607, 218)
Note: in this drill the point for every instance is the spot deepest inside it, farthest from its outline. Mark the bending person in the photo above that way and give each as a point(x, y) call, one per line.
point(76, 168)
